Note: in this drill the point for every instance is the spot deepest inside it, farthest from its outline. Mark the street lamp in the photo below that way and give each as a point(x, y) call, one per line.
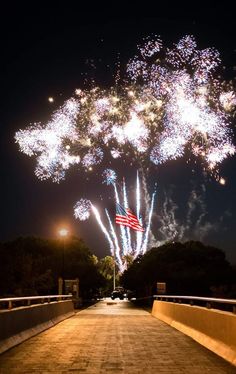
point(63, 234)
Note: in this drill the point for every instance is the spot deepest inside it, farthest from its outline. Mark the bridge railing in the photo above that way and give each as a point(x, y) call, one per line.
point(14, 302)
point(208, 302)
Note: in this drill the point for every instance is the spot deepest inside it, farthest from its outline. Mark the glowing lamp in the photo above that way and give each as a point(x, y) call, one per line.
point(63, 232)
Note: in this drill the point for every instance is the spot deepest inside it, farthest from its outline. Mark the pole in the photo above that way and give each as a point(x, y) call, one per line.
point(114, 273)
point(63, 234)
point(63, 266)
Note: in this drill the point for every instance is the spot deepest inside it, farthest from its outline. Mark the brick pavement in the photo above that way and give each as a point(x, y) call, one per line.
point(111, 338)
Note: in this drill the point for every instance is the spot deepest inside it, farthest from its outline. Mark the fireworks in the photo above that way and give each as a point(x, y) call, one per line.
point(82, 209)
point(109, 176)
point(222, 181)
point(171, 100)
point(46, 142)
point(194, 224)
point(122, 241)
point(174, 101)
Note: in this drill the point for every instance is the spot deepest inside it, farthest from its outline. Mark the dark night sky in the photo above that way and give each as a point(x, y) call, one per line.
point(49, 54)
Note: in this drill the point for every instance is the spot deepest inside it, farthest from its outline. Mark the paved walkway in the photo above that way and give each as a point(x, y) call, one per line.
point(110, 338)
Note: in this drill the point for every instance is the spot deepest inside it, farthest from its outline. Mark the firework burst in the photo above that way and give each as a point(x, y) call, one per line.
point(174, 101)
point(109, 176)
point(82, 209)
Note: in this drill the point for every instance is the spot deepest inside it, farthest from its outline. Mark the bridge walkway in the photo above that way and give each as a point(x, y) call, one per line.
point(112, 337)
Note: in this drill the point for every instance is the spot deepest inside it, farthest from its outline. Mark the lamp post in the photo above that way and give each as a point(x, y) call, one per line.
point(63, 234)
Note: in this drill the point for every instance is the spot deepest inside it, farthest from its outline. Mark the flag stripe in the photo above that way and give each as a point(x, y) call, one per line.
point(127, 218)
point(121, 216)
point(134, 221)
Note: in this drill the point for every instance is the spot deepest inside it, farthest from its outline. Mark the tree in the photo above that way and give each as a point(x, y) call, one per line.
point(31, 266)
point(189, 268)
point(106, 269)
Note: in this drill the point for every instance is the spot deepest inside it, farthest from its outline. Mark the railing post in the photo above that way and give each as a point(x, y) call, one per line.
point(234, 309)
point(9, 304)
point(28, 302)
point(208, 305)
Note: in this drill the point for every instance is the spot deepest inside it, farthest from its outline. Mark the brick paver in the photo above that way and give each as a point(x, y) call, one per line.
point(112, 337)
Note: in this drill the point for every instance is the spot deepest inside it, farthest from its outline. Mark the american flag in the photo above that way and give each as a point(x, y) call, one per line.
point(121, 216)
point(125, 217)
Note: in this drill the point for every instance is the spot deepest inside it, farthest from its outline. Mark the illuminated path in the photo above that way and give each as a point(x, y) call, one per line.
point(112, 337)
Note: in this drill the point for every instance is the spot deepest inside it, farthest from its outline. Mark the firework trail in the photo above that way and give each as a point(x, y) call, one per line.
point(145, 241)
point(126, 206)
point(117, 253)
point(169, 227)
point(126, 243)
point(147, 204)
point(172, 229)
point(174, 102)
point(195, 202)
point(109, 177)
point(103, 228)
point(124, 238)
point(141, 238)
point(139, 235)
point(82, 211)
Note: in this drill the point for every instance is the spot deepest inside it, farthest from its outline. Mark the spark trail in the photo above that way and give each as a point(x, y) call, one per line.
point(122, 242)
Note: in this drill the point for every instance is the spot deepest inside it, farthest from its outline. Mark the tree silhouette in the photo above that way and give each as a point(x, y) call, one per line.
point(31, 266)
point(190, 268)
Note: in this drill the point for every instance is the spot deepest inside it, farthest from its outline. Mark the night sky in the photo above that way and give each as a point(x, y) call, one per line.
point(49, 54)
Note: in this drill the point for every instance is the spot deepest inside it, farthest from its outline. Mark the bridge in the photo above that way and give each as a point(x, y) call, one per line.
point(110, 337)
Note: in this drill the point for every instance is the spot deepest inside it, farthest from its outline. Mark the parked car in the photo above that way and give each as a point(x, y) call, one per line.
point(130, 294)
point(118, 293)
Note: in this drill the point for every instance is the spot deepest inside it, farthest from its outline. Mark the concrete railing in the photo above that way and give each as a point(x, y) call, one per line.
point(213, 328)
point(28, 300)
point(20, 323)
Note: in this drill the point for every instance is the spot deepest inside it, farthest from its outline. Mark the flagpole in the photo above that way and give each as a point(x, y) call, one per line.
point(114, 272)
